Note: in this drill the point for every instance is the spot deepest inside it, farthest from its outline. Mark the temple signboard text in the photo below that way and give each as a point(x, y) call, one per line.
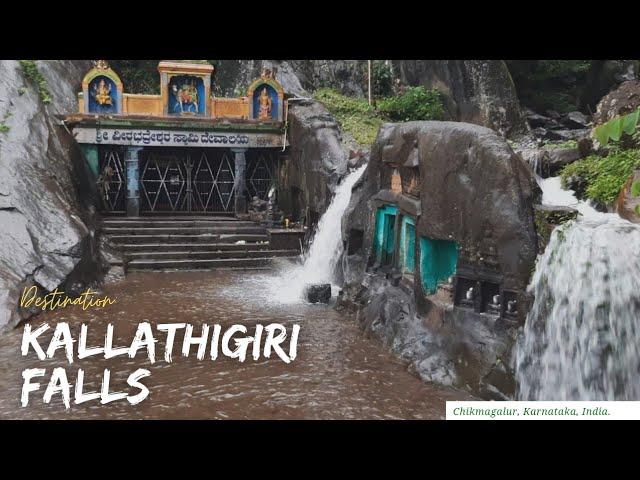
point(155, 137)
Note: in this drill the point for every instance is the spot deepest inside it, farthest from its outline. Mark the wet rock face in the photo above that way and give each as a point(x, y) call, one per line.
point(298, 77)
point(475, 191)
point(628, 202)
point(316, 162)
point(45, 230)
point(449, 347)
point(548, 218)
point(476, 91)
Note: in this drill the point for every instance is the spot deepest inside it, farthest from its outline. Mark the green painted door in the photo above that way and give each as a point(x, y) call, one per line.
point(438, 260)
point(385, 234)
point(407, 244)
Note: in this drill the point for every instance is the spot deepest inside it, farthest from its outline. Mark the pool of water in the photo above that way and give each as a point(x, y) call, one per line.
point(338, 373)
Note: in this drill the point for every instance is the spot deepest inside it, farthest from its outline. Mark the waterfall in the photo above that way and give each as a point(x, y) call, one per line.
point(321, 258)
point(581, 340)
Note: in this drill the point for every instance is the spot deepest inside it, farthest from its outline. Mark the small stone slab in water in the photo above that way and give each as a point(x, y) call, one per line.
point(319, 293)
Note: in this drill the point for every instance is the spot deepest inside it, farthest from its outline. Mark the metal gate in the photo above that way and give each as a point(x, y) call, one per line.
point(112, 179)
point(186, 181)
point(261, 173)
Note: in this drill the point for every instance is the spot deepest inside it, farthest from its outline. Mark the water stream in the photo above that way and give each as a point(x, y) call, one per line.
point(338, 373)
point(581, 340)
point(287, 284)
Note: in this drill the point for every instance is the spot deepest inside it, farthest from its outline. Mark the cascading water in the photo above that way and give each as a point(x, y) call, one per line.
point(320, 260)
point(581, 340)
point(325, 249)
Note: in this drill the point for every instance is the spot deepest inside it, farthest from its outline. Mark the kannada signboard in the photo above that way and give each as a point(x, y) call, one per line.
point(176, 138)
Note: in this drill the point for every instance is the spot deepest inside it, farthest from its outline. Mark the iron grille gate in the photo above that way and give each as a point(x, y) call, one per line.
point(261, 173)
point(112, 179)
point(186, 181)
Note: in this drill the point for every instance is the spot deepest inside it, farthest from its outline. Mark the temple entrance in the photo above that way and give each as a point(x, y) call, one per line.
point(261, 172)
point(112, 186)
point(186, 181)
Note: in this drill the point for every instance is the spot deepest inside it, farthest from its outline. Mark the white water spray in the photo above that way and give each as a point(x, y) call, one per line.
point(320, 261)
point(581, 340)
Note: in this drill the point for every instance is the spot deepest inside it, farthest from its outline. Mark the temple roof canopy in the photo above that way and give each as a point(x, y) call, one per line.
point(185, 92)
point(191, 66)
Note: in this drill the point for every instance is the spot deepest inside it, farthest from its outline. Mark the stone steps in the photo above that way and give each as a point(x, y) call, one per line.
point(229, 254)
point(194, 239)
point(210, 230)
point(176, 242)
point(178, 223)
point(192, 264)
point(192, 247)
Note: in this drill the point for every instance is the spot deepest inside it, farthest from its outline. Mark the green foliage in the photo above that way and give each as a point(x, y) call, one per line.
point(559, 101)
point(32, 73)
point(4, 128)
point(637, 209)
point(138, 76)
point(381, 78)
point(635, 189)
point(415, 103)
point(550, 84)
point(616, 127)
point(362, 121)
point(555, 69)
point(604, 176)
point(355, 115)
point(551, 145)
point(22, 91)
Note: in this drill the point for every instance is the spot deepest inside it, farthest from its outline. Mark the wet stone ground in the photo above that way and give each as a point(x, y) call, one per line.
point(338, 373)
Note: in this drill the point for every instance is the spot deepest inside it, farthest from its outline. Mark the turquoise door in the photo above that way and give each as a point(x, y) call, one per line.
point(438, 260)
point(408, 245)
point(385, 234)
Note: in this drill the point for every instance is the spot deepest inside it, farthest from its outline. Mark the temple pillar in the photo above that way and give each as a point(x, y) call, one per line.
point(240, 182)
point(133, 181)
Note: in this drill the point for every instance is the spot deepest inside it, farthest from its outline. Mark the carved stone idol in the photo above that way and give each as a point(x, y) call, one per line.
point(102, 93)
point(265, 105)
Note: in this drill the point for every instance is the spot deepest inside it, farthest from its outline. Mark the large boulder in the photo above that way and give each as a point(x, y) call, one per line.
point(45, 233)
point(622, 100)
point(473, 190)
point(315, 164)
point(475, 91)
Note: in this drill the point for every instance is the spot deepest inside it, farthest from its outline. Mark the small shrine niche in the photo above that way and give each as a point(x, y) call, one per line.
point(266, 98)
point(101, 90)
point(396, 181)
point(185, 87)
point(410, 172)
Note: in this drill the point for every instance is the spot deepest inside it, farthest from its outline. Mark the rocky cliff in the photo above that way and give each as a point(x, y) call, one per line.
point(315, 164)
point(475, 91)
point(45, 234)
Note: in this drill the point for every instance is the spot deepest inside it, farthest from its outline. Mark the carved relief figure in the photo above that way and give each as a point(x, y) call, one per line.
point(104, 184)
point(186, 97)
point(102, 93)
point(265, 105)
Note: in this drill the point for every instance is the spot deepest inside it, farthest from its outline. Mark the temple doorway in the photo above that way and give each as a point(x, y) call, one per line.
point(186, 180)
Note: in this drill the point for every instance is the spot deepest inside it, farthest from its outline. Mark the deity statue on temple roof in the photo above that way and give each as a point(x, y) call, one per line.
point(102, 93)
point(265, 105)
point(186, 97)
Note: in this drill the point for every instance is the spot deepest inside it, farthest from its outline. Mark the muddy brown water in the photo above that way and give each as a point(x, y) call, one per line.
point(338, 373)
